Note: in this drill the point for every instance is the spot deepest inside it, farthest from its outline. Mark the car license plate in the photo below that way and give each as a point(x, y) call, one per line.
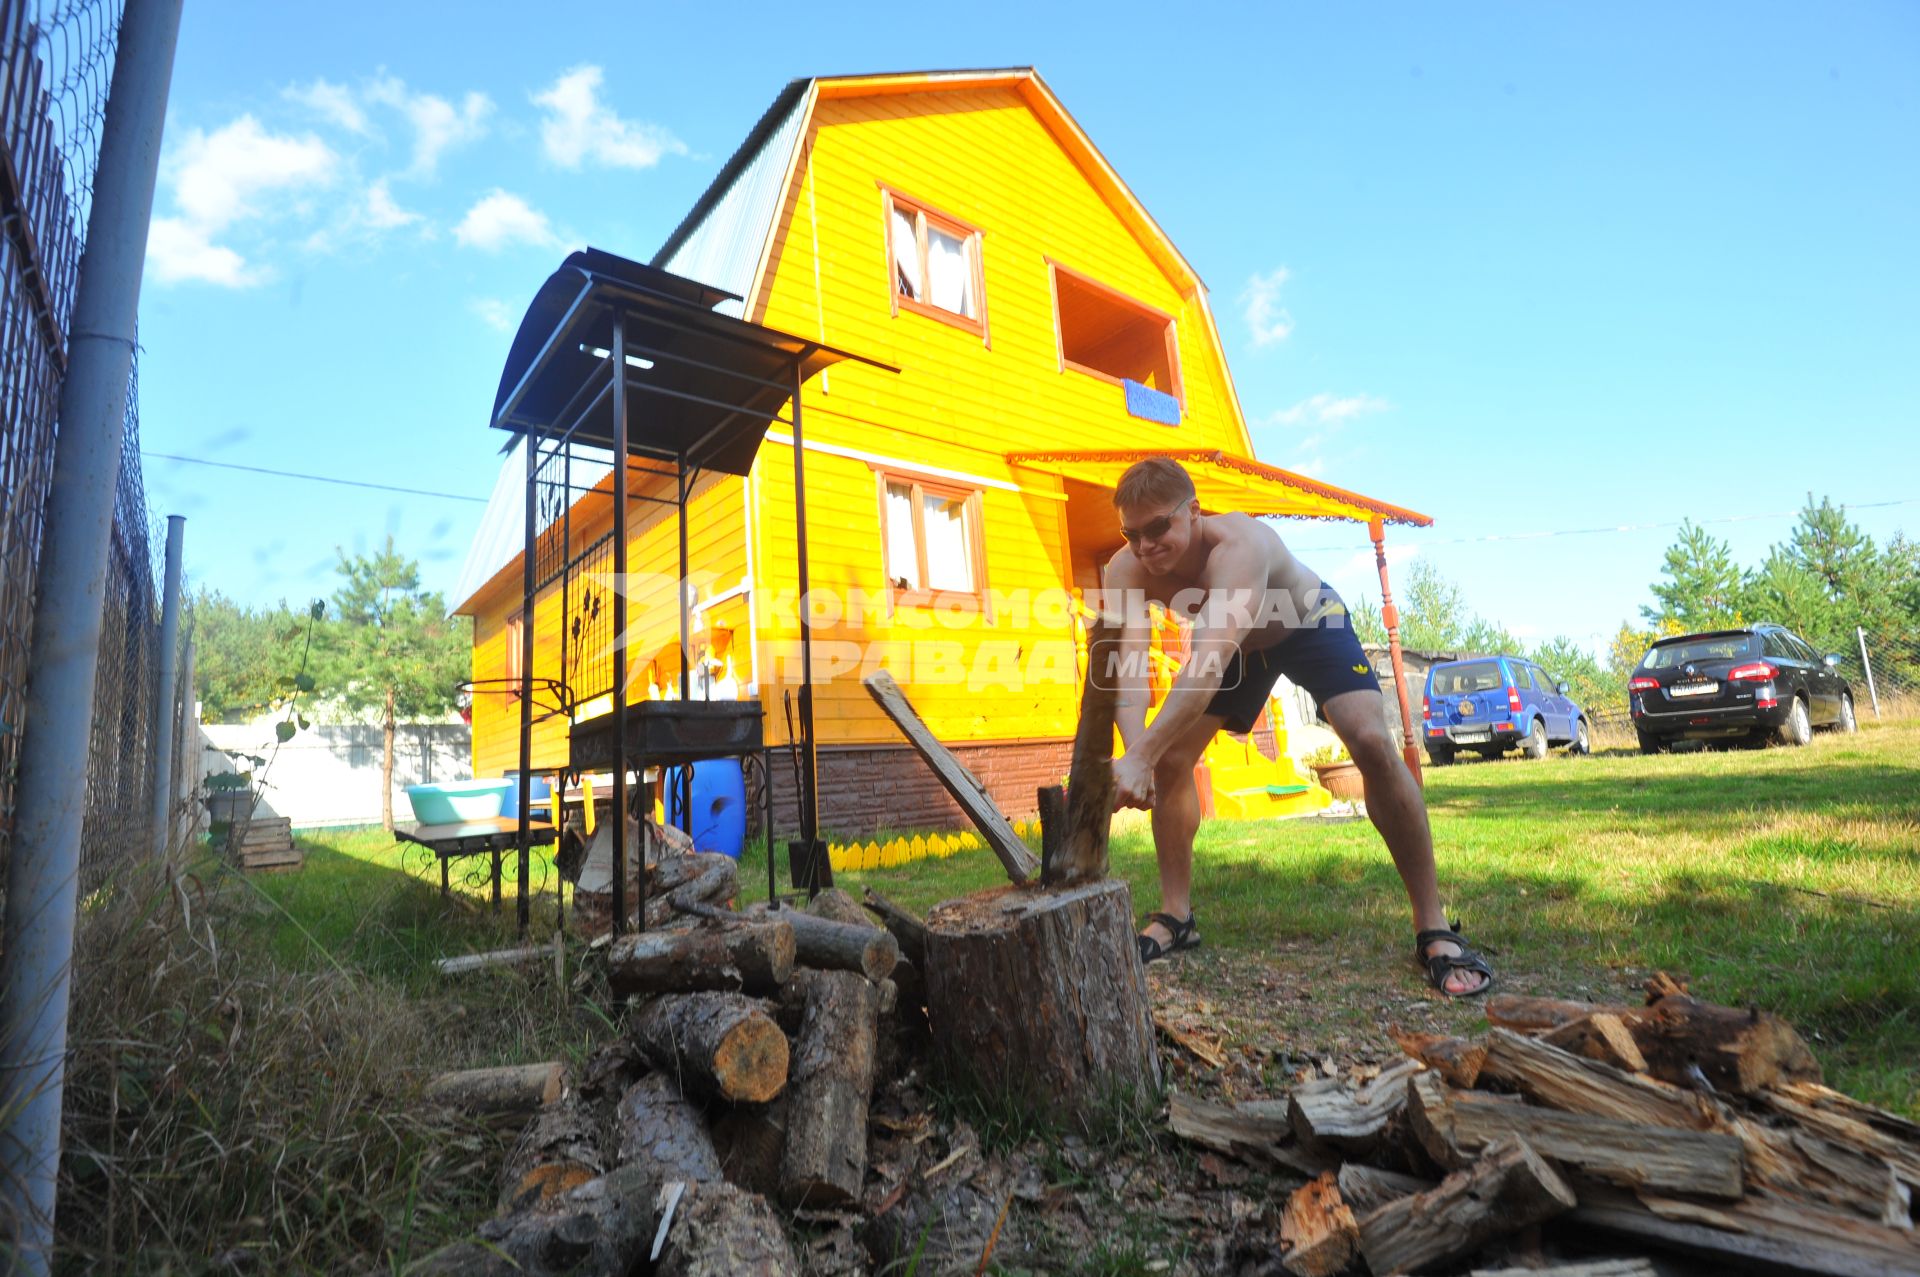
point(1693, 689)
point(1472, 738)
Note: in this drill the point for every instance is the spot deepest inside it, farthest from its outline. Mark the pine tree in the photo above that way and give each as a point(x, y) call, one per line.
point(1703, 588)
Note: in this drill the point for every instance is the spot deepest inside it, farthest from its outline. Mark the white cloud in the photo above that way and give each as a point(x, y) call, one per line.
point(438, 125)
point(501, 219)
point(1329, 410)
point(380, 212)
point(179, 251)
point(333, 102)
point(1267, 320)
point(493, 312)
point(578, 127)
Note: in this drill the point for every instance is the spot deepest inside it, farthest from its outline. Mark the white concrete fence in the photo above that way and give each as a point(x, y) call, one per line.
point(331, 775)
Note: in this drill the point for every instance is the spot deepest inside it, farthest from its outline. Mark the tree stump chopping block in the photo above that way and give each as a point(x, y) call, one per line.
point(1039, 993)
point(720, 1044)
point(825, 1160)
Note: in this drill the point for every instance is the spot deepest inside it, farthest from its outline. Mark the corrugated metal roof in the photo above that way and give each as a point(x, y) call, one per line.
point(502, 534)
point(720, 240)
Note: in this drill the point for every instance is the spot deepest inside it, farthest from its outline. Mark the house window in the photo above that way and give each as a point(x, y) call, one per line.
point(1108, 335)
point(516, 638)
point(934, 263)
point(931, 536)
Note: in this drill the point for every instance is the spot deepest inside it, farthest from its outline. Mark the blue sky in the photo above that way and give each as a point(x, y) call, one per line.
point(1524, 267)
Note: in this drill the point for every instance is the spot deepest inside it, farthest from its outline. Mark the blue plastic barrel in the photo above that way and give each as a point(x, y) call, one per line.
point(542, 796)
point(719, 806)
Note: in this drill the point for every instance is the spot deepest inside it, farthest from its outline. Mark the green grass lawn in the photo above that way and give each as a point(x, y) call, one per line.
point(1786, 879)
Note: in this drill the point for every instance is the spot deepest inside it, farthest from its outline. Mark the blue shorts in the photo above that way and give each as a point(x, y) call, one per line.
point(1323, 656)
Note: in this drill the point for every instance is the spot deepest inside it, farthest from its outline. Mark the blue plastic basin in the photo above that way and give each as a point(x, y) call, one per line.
point(453, 801)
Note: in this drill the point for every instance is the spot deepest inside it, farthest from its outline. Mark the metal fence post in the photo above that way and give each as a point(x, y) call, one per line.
point(43, 870)
point(163, 708)
point(1860, 633)
point(186, 756)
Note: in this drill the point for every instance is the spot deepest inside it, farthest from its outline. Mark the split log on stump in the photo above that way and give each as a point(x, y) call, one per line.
point(1365, 1189)
point(1351, 1119)
point(657, 1129)
point(1052, 802)
point(910, 931)
point(1455, 1127)
point(825, 1160)
point(1738, 1051)
point(1317, 1230)
point(1760, 1227)
point(1573, 1084)
point(1509, 1188)
point(517, 1090)
point(1458, 1060)
point(1256, 1132)
point(560, 1150)
point(722, 1045)
point(718, 1230)
point(1083, 851)
point(1039, 995)
point(752, 1141)
point(964, 787)
point(836, 946)
point(755, 958)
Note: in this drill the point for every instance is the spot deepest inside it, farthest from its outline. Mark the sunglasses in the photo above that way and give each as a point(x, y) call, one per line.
point(1153, 529)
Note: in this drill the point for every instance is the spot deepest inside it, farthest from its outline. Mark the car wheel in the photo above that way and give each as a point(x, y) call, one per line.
point(1440, 755)
point(1798, 729)
point(1535, 745)
point(1848, 723)
point(1652, 744)
point(1582, 739)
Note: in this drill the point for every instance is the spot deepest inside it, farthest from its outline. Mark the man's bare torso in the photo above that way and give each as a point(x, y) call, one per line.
point(1237, 562)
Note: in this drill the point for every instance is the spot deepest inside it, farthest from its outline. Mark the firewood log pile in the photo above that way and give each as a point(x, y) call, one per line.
point(1591, 1137)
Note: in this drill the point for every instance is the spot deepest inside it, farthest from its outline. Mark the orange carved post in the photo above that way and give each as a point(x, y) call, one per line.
point(1390, 617)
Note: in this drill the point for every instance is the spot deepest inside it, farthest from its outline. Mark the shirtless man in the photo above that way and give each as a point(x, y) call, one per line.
point(1257, 613)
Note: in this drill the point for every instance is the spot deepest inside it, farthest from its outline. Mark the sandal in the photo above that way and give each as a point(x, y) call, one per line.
point(1186, 935)
point(1438, 966)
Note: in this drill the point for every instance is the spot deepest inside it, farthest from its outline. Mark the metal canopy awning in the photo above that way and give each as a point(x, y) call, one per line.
point(1223, 482)
point(712, 383)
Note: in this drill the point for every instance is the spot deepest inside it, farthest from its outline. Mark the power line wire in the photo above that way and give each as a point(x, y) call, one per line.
point(1623, 527)
point(314, 478)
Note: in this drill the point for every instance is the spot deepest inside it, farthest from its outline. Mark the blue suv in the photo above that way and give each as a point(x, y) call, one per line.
point(1490, 704)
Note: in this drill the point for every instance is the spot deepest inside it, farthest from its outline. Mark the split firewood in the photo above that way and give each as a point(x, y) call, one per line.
point(1578, 1268)
point(752, 1141)
point(1509, 1188)
point(723, 1045)
point(1246, 1132)
point(1804, 1166)
point(910, 931)
point(1083, 850)
point(1318, 1233)
point(1736, 1051)
point(1766, 1228)
point(601, 1226)
point(559, 1151)
point(824, 1162)
point(1052, 803)
point(1458, 1060)
point(718, 1230)
point(827, 945)
point(655, 1127)
point(1365, 1189)
point(1457, 1126)
point(754, 958)
point(1842, 1120)
point(1601, 1036)
point(1352, 1119)
point(516, 1090)
point(1573, 1084)
point(464, 963)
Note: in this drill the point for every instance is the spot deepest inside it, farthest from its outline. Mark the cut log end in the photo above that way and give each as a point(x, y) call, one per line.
point(753, 1061)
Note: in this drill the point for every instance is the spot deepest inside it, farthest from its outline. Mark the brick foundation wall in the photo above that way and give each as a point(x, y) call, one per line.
point(867, 788)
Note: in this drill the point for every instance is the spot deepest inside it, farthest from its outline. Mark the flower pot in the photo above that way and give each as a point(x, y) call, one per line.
point(1342, 780)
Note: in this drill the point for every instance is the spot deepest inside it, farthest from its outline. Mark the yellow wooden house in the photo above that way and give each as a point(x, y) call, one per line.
point(961, 227)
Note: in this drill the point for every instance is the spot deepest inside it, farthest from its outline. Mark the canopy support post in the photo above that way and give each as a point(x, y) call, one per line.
point(620, 563)
point(1390, 617)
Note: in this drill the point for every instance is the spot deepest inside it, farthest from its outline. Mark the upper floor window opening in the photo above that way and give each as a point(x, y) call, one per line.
point(933, 261)
point(1106, 334)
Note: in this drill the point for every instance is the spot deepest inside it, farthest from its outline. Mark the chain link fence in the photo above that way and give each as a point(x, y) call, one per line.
point(1884, 675)
point(56, 63)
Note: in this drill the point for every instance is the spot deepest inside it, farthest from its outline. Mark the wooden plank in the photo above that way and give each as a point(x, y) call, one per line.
point(964, 787)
